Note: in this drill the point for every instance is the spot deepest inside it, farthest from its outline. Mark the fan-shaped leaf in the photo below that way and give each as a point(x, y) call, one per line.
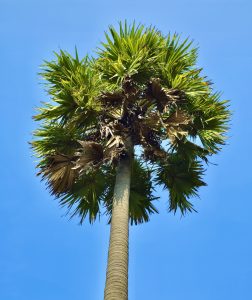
point(182, 179)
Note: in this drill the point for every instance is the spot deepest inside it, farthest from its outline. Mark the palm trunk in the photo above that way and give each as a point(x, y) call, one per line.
point(116, 287)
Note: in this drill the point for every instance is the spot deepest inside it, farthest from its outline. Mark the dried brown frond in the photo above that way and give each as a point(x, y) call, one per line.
point(164, 97)
point(141, 133)
point(177, 125)
point(152, 120)
point(89, 155)
point(113, 99)
point(115, 146)
point(179, 117)
point(111, 129)
point(112, 104)
point(129, 87)
point(154, 153)
point(115, 140)
point(59, 173)
point(115, 112)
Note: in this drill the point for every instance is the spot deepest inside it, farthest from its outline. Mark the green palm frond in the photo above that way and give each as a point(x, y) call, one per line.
point(53, 137)
point(210, 122)
point(84, 198)
point(179, 56)
point(189, 151)
point(72, 85)
point(177, 67)
point(132, 51)
point(141, 194)
point(182, 179)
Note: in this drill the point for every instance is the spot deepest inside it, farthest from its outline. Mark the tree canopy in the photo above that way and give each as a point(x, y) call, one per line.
point(140, 84)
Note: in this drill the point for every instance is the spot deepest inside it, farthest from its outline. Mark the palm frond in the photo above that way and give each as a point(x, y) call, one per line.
point(52, 138)
point(130, 52)
point(177, 125)
point(164, 97)
point(72, 85)
point(189, 150)
point(58, 172)
point(84, 198)
point(211, 117)
point(89, 156)
point(182, 179)
point(141, 194)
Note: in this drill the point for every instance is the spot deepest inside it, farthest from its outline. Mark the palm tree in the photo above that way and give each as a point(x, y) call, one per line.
point(138, 114)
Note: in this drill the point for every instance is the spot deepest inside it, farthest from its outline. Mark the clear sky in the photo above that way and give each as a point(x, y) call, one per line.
point(43, 255)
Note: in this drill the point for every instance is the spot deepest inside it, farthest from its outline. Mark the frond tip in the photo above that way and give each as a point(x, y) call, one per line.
point(84, 198)
point(182, 179)
point(59, 173)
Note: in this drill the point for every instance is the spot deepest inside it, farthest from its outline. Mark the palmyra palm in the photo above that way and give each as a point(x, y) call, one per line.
point(138, 114)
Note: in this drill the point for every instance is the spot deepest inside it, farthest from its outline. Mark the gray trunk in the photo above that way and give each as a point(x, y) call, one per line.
point(117, 269)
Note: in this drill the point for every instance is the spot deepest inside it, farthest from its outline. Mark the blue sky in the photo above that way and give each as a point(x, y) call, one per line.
point(43, 256)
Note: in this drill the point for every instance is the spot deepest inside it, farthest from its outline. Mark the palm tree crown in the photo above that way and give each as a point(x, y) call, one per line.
point(141, 86)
